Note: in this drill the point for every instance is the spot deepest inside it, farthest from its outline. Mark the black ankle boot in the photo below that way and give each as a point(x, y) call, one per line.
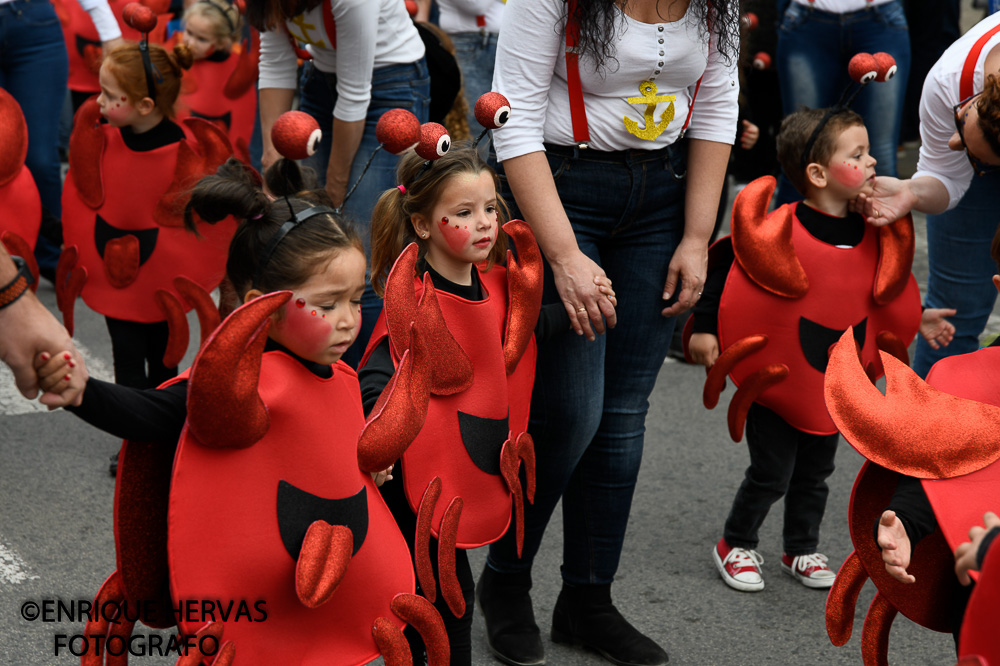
point(511, 631)
point(584, 615)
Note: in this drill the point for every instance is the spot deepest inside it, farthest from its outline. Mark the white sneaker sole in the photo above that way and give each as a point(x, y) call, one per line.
point(732, 582)
point(821, 584)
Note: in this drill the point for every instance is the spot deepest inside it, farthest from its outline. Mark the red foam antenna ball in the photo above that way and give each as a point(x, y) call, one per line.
point(411, 8)
point(863, 67)
point(492, 110)
point(128, 11)
point(295, 135)
point(762, 60)
point(886, 66)
point(750, 21)
point(143, 19)
point(158, 6)
point(434, 141)
point(397, 130)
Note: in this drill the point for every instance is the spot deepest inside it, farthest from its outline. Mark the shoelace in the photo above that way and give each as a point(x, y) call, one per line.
point(743, 557)
point(816, 560)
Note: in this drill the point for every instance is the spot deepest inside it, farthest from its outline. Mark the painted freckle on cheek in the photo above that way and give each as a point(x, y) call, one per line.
point(444, 220)
point(300, 303)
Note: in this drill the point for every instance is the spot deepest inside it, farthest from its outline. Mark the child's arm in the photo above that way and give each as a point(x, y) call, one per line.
point(143, 415)
point(969, 556)
point(704, 348)
point(908, 519)
point(55, 372)
point(553, 318)
point(937, 330)
point(896, 547)
point(749, 136)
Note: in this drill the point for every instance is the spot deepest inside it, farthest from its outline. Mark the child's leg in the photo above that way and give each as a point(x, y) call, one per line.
point(128, 347)
point(807, 492)
point(156, 335)
point(772, 443)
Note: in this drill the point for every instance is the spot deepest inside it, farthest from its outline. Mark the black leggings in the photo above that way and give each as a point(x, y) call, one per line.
point(459, 628)
point(135, 345)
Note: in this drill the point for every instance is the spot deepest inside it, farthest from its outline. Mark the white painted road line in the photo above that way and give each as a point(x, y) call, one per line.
point(13, 570)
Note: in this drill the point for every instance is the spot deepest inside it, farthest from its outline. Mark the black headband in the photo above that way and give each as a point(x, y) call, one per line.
point(225, 14)
point(147, 66)
point(282, 232)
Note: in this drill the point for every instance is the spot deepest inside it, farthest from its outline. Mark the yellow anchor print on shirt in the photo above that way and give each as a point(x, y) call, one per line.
point(648, 96)
point(304, 27)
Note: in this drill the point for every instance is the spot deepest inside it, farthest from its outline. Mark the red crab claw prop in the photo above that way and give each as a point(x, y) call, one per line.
point(399, 413)
point(19, 247)
point(763, 243)
point(890, 343)
point(511, 456)
point(843, 598)
point(875, 632)
point(747, 394)
point(451, 367)
point(208, 317)
point(208, 648)
point(111, 593)
point(195, 159)
point(422, 616)
point(70, 279)
point(224, 408)
point(422, 558)
point(326, 552)
point(524, 279)
point(884, 429)
point(245, 74)
point(895, 261)
point(86, 148)
point(451, 589)
point(15, 137)
point(716, 379)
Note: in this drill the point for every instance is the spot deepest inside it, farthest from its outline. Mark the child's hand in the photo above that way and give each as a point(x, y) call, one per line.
point(55, 373)
point(937, 330)
point(703, 348)
point(895, 545)
point(965, 554)
point(383, 476)
point(603, 283)
point(748, 139)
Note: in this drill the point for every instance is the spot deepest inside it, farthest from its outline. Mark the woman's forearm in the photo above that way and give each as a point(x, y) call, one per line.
point(345, 140)
point(930, 195)
point(706, 176)
point(534, 189)
point(273, 102)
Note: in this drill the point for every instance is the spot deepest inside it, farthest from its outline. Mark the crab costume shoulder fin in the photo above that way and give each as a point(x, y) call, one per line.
point(914, 429)
point(245, 73)
point(14, 131)
point(895, 261)
point(86, 149)
point(762, 242)
point(204, 149)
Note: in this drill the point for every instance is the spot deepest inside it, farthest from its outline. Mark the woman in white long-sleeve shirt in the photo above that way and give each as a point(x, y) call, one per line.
point(637, 204)
point(366, 58)
point(957, 183)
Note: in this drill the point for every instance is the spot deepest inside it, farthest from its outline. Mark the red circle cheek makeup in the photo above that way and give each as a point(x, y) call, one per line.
point(848, 175)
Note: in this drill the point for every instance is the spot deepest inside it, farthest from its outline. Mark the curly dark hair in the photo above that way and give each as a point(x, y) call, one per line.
point(599, 18)
point(988, 106)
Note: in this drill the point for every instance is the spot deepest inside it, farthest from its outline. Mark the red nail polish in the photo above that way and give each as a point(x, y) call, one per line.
point(72, 364)
point(67, 377)
point(68, 356)
point(45, 356)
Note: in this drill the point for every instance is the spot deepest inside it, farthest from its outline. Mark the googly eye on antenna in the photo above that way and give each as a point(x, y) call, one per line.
point(492, 111)
point(142, 18)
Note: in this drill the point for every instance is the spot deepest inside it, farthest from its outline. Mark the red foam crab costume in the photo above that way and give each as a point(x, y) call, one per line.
point(780, 311)
point(19, 200)
point(223, 92)
point(946, 432)
point(125, 240)
point(266, 503)
point(460, 474)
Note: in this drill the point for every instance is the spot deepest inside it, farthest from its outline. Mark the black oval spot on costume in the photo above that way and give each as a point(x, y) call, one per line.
point(297, 510)
point(817, 339)
point(104, 232)
point(483, 438)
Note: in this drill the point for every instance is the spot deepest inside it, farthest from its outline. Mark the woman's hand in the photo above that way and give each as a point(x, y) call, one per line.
point(581, 285)
point(688, 268)
point(889, 200)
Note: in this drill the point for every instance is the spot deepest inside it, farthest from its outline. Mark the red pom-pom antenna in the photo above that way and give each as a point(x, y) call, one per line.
point(863, 67)
point(762, 60)
point(397, 130)
point(295, 135)
point(886, 66)
point(492, 110)
point(434, 141)
point(750, 21)
point(139, 17)
point(411, 8)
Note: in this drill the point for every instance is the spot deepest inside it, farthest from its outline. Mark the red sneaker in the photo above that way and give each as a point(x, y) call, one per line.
point(739, 567)
point(810, 570)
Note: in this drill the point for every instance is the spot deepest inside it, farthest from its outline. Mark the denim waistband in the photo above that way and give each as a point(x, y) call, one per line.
point(631, 155)
point(846, 16)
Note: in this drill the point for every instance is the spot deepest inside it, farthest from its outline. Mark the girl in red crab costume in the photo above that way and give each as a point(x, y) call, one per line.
point(130, 170)
point(782, 289)
point(459, 481)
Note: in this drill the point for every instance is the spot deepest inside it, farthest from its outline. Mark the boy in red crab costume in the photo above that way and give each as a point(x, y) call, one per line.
point(780, 291)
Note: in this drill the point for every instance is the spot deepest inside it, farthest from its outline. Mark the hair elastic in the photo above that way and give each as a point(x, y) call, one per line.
point(401, 188)
point(225, 14)
point(282, 232)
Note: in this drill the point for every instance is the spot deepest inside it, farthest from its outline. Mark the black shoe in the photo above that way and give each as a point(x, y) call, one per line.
point(584, 615)
point(113, 465)
point(511, 632)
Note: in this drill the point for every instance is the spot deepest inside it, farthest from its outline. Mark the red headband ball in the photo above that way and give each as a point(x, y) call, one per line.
point(434, 141)
point(139, 16)
point(863, 67)
point(492, 110)
point(886, 66)
point(295, 135)
point(397, 130)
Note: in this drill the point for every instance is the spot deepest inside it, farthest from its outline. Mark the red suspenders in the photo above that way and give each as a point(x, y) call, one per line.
point(969, 69)
point(329, 25)
point(577, 109)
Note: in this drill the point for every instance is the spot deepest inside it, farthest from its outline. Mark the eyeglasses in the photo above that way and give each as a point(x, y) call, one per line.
point(981, 168)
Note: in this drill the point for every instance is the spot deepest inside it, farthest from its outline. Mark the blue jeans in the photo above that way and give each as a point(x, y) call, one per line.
point(396, 86)
point(476, 53)
point(814, 48)
point(589, 403)
point(34, 70)
point(960, 268)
